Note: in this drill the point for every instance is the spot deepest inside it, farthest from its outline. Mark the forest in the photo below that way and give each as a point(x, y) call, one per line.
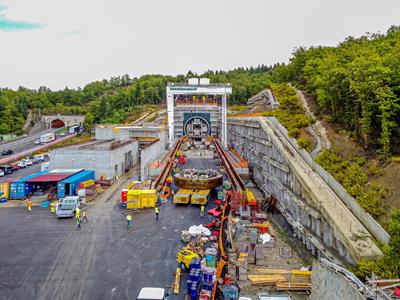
point(356, 85)
point(111, 101)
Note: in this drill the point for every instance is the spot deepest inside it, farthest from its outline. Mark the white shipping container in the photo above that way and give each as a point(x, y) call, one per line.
point(48, 137)
point(204, 81)
point(193, 81)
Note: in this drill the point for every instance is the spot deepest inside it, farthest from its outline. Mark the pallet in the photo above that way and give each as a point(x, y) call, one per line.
point(287, 286)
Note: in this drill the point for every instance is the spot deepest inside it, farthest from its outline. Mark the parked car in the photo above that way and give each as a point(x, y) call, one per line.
point(37, 142)
point(28, 162)
point(2, 173)
point(7, 169)
point(7, 152)
point(62, 134)
point(40, 157)
point(15, 167)
point(35, 160)
point(21, 164)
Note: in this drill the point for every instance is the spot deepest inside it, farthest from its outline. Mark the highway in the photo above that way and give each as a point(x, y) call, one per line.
point(24, 143)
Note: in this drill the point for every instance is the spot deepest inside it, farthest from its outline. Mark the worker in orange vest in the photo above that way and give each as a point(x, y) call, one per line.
point(29, 205)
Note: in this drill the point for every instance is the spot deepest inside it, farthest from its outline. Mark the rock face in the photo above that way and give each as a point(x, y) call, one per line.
point(263, 101)
point(198, 179)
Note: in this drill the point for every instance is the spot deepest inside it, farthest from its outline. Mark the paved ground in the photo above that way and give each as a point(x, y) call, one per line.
point(24, 172)
point(42, 257)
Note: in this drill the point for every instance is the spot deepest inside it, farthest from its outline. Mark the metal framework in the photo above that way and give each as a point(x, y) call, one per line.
point(198, 89)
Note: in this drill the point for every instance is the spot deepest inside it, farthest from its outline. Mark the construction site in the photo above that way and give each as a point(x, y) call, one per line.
point(193, 205)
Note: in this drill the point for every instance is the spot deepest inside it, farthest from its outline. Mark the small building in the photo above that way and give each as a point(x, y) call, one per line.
point(108, 158)
point(45, 182)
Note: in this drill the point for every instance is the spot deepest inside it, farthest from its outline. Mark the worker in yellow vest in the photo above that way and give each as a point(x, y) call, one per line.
point(53, 207)
point(156, 210)
point(78, 218)
point(128, 220)
point(202, 208)
point(78, 213)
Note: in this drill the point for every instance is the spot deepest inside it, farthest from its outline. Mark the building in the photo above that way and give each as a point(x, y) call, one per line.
point(197, 109)
point(108, 158)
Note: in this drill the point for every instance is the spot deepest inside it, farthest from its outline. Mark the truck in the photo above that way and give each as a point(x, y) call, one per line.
point(47, 138)
point(67, 206)
point(74, 129)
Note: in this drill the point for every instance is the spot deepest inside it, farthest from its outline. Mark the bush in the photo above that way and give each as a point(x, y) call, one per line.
point(354, 180)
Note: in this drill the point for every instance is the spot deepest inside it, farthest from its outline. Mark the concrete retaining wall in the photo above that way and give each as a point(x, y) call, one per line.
point(152, 153)
point(328, 284)
point(320, 219)
point(365, 218)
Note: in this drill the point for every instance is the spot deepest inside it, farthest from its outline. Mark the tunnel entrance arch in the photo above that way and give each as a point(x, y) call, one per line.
point(57, 123)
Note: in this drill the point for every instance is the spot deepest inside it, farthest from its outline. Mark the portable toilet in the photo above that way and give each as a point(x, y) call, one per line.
point(134, 199)
point(5, 190)
point(149, 198)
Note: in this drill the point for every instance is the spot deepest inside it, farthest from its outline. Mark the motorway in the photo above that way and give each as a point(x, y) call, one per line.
point(46, 258)
point(24, 143)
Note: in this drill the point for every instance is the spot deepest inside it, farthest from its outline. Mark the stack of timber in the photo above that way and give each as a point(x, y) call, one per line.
point(266, 279)
point(299, 280)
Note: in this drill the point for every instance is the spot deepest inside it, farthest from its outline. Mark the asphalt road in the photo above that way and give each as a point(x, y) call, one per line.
point(42, 257)
point(24, 143)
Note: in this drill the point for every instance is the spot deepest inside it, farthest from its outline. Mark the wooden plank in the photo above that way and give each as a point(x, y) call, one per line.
point(288, 286)
point(271, 271)
point(177, 281)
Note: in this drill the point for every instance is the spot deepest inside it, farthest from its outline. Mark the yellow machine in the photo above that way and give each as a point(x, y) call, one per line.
point(183, 196)
point(149, 198)
point(185, 257)
point(200, 197)
point(141, 198)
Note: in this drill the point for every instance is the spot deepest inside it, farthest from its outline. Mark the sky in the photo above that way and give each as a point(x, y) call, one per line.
point(60, 43)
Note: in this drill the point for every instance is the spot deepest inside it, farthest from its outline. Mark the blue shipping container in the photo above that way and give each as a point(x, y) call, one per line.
point(19, 189)
point(68, 186)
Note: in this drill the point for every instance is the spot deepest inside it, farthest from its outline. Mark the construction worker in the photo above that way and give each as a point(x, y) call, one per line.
point(78, 213)
point(29, 205)
point(129, 220)
point(156, 210)
point(78, 221)
point(85, 216)
point(52, 207)
point(202, 208)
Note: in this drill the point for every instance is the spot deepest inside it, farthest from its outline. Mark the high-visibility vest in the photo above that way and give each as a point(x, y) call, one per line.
point(156, 210)
point(129, 217)
point(202, 208)
point(77, 213)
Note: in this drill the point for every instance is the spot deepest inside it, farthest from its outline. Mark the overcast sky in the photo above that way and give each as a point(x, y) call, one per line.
point(59, 43)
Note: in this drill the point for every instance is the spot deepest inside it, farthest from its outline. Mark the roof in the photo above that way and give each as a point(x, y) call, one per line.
point(151, 293)
point(78, 176)
point(32, 176)
point(49, 177)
